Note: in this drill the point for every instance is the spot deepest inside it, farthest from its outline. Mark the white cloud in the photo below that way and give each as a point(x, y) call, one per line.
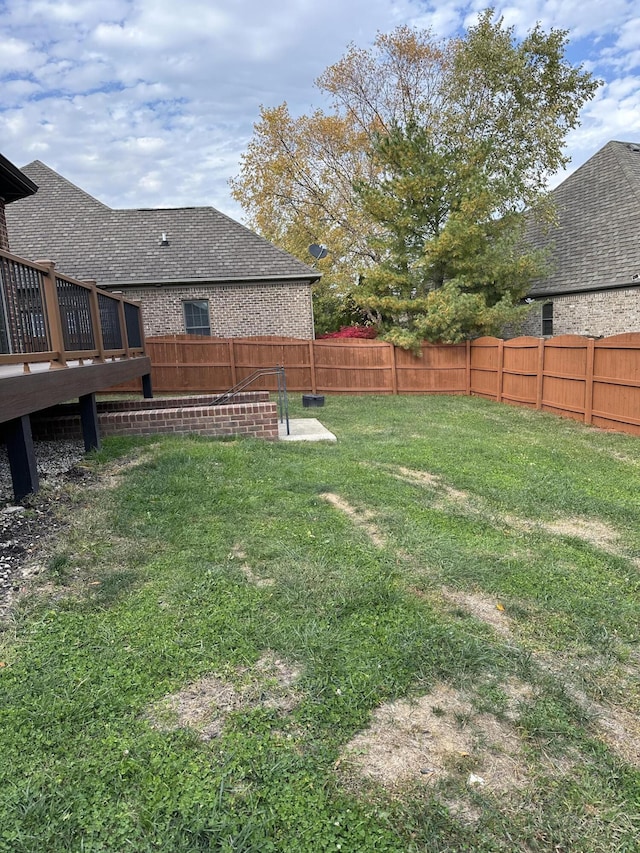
point(16, 56)
point(149, 102)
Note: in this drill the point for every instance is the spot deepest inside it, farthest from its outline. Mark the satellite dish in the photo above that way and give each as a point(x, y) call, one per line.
point(318, 252)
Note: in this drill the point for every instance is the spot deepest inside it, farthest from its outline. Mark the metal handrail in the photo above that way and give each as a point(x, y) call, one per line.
point(283, 400)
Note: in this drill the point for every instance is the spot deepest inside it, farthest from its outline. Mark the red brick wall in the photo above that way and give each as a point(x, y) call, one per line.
point(259, 420)
point(253, 416)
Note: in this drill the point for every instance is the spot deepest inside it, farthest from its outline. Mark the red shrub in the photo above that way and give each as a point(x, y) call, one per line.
point(351, 332)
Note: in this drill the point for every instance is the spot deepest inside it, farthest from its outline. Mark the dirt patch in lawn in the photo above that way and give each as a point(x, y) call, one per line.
point(590, 530)
point(424, 478)
point(487, 609)
point(204, 705)
point(238, 554)
point(111, 476)
point(434, 737)
point(362, 518)
point(620, 730)
point(595, 532)
point(616, 726)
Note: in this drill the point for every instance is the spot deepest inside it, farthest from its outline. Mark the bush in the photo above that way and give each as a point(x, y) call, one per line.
point(368, 332)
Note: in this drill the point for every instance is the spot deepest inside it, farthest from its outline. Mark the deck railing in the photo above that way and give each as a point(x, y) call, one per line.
point(49, 317)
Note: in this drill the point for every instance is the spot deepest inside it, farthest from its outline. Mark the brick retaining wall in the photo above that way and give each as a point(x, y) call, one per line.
point(251, 415)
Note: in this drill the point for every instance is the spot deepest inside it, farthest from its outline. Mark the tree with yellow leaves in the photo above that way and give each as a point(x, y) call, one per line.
point(419, 177)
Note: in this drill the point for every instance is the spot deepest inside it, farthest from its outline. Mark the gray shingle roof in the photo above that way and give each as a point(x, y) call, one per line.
point(596, 242)
point(89, 240)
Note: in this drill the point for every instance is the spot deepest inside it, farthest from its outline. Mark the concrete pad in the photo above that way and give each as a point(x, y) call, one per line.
point(304, 429)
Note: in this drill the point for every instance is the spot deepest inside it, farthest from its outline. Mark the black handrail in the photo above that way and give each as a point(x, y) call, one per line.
point(283, 401)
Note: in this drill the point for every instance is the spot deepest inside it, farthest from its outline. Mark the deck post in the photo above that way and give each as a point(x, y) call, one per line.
point(147, 390)
point(95, 320)
point(22, 457)
point(53, 313)
point(89, 421)
point(123, 321)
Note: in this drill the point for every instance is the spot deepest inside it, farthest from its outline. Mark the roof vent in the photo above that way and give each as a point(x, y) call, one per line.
point(164, 240)
point(633, 147)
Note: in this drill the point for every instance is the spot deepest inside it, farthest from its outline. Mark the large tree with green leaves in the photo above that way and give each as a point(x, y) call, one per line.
point(418, 178)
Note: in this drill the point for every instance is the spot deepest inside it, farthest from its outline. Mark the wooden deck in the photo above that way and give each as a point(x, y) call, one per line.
point(60, 339)
point(25, 393)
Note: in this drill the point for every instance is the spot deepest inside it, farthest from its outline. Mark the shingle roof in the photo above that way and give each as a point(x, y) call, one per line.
point(596, 242)
point(89, 240)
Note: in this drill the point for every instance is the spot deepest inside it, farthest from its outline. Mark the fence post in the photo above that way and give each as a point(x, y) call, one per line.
point(176, 364)
point(468, 369)
point(232, 363)
point(500, 370)
point(312, 363)
point(588, 390)
point(394, 374)
point(53, 312)
point(540, 374)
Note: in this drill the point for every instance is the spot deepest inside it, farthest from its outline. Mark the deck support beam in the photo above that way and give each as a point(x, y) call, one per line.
point(147, 390)
point(89, 421)
point(22, 457)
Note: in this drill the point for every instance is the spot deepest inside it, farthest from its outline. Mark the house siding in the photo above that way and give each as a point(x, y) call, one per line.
point(235, 310)
point(604, 313)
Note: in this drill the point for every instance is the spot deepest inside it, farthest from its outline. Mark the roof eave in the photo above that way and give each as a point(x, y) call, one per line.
point(15, 184)
point(591, 288)
point(216, 280)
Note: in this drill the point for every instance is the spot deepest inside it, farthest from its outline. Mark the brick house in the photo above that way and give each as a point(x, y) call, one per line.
point(195, 270)
point(593, 287)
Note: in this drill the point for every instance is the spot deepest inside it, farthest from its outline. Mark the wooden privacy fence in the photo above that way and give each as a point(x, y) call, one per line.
point(191, 363)
point(594, 381)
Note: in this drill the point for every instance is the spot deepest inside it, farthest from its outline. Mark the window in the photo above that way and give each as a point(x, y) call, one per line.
point(547, 318)
point(196, 317)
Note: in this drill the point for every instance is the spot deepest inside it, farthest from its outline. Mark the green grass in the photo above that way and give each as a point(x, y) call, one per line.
point(154, 588)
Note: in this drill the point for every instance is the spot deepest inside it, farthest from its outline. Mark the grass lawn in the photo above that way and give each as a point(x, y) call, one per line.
point(422, 638)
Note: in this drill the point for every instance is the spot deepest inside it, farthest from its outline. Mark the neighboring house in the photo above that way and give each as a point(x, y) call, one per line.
point(593, 287)
point(194, 269)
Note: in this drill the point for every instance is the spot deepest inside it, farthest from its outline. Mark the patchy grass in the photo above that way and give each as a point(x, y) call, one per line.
point(423, 638)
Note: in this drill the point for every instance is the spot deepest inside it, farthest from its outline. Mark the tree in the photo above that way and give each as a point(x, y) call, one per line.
point(450, 267)
point(297, 175)
point(419, 177)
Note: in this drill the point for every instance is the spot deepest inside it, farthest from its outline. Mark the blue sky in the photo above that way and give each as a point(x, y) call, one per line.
point(148, 103)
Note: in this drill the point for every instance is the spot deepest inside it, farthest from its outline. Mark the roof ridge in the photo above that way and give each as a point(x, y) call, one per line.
point(631, 176)
point(62, 179)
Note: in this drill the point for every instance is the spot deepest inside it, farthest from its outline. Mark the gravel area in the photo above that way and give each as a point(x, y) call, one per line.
point(26, 528)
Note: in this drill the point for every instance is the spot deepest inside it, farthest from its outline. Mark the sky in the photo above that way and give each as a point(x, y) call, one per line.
point(150, 103)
